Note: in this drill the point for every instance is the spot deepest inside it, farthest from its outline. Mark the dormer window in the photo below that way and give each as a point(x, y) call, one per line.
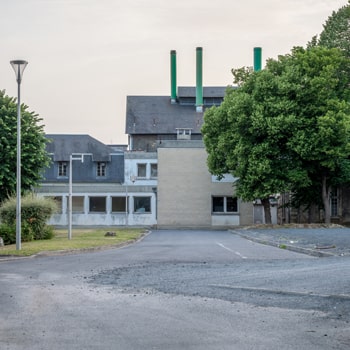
point(62, 169)
point(101, 169)
point(184, 133)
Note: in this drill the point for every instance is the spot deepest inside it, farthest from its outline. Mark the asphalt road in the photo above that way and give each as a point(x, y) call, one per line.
point(177, 290)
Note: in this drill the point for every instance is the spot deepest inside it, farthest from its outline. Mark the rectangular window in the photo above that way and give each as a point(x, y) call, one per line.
point(223, 204)
point(141, 170)
point(77, 204)
point(142, 204)
point(218, 204)
point(118, 205)
point(101, 169)
point(58, 200)
point(334, 202)
point(154, 170)
point(231, 205)
point(97, 204)
point(62, 169)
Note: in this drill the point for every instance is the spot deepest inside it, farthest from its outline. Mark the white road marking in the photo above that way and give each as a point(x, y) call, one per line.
point(230, 250)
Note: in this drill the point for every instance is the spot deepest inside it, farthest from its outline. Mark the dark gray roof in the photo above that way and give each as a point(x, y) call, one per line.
point(156, 114)
point(63, 145)
point(208, 91)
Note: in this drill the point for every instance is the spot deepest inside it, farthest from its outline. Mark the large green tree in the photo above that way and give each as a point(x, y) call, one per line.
point(33, 147)
point(284, 127)
point(336, 30)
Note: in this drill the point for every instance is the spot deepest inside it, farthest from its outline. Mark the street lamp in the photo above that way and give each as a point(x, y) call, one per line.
point(72, 157)
point(18, 66)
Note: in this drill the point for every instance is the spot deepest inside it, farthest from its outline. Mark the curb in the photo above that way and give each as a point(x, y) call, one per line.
point(292, 248)
point(75, 251)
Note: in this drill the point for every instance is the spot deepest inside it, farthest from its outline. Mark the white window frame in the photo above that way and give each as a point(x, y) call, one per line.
point(101, 169)
point(139, 167)
point(62, 169)
point(156, 170)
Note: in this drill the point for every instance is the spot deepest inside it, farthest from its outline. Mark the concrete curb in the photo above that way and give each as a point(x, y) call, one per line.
point(75, 251)
point(292, 248)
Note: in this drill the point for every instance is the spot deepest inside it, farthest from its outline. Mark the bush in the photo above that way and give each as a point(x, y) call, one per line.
point(8, 233)
point(35, 212)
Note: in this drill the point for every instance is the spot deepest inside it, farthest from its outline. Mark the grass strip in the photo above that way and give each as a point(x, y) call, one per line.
point(81, 239)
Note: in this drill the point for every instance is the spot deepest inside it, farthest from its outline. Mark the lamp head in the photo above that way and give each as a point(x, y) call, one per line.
point(18, 66)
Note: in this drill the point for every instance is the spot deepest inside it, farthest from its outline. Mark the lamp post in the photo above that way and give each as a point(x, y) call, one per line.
point(18, 66)
point(71, 158)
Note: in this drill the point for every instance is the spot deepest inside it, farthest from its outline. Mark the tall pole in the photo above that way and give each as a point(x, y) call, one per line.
point(75, 156)
point(18, 66)
point(70, 198)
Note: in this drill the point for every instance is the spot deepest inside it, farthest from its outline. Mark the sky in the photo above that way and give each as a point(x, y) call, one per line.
point(86, 56)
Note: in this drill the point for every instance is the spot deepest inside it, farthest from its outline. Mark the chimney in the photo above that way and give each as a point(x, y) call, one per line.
point(257, 59)
point(199, 80)
point(173, 83)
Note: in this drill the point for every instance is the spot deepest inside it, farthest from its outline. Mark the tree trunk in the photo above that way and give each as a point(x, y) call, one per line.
point(325, 199)
point(267, 211)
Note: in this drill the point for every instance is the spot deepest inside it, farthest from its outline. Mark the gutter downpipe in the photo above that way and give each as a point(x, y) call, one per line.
point(199, 79)
point(173, 83)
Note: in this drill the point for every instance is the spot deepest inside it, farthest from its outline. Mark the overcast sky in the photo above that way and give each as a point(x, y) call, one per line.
point(86, 56)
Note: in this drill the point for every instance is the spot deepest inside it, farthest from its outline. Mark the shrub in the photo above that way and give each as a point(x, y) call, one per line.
point(8, 233)
point(35, 212)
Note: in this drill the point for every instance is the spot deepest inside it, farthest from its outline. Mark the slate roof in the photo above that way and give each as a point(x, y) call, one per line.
point(63, 145)
point(150, 115)
point(208, 91)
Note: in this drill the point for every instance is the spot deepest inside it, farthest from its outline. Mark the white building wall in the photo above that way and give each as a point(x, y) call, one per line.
point(107, 218)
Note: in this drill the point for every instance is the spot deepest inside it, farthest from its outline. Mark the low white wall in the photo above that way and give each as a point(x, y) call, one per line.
point(225, 220)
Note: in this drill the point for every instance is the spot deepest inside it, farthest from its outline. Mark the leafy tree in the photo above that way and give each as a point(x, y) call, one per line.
point(336, 30)
point(284, 126)
point(33, 153)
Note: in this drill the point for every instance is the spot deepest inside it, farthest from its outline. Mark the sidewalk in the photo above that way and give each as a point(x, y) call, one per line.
point(321, 242)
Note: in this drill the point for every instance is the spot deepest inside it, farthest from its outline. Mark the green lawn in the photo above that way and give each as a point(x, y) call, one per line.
point(81, 239)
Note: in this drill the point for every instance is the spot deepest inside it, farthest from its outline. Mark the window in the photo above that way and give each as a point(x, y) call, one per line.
point(118, 204)
point(231, 205)
point(62, 169)
point(141, 170)
point(101, 169)
point(142, 204)
point(97, 204)
point(154, 170)
point(77, 204)
point(334, 202)
point(222, 204)
point(58, 200)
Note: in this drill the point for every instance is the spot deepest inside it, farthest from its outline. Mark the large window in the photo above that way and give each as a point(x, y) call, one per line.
point(58, 200)
point(141, 170)
point(142, 204)
point(62, 169)
point(223, 204)
point(97, 204)
point(78, 204)
point(101, 169)
point(118, 205)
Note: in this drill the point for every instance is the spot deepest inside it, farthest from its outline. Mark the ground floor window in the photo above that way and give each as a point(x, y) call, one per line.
point(224, 204)
point(119, 205)
point(77, 204)
point(334, 202)
point(97, 204)
point(142, 204)
point(58, 200)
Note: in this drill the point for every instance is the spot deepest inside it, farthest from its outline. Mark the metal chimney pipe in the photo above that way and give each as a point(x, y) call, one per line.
point(199, 79)
point(257, 59)
point(173, 83)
